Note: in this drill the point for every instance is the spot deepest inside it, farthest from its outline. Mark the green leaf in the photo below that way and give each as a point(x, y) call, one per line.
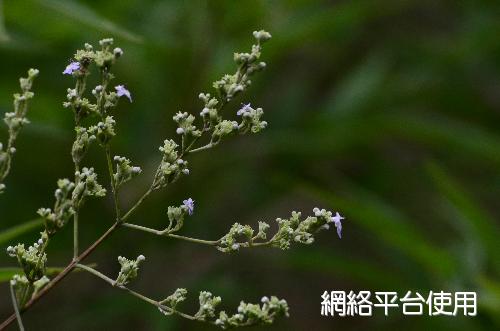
point(11, 233)
point(477, 223)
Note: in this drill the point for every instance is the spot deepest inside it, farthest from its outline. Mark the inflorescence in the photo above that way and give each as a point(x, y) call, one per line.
point(95, 123)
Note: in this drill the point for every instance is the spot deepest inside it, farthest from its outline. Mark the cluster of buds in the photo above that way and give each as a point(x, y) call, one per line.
point(81, 144)
point(248, 63)
point(173, 300)
point(251, 119)
point(63, 207)
point(24, 289)
point(231, 243)
point(15, 121)
point(302, 231)
point(80, 105)
point(185, 125)
point(290, 230)
point(171, 166)
point(176, 215)
point(80, 69)
point(209, 112)
point(254, 314)
point(128, 269)
point(32, 260)
point(208, 306)
point(124, 171)
point(104, 131)
point(86, 186)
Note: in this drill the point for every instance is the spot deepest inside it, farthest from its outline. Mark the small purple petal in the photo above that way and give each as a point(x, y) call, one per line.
point(337, 220)
point(122, 91)
point(189, 204)
point(72, 67)
point(244, 109)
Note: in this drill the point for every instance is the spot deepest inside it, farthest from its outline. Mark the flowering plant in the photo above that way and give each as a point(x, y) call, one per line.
point(94, 124)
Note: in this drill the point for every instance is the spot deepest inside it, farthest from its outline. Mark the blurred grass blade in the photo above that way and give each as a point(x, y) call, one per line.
point(388, 224)
point(11, 233)
point(4, 36)
point(79, 12)
point(478, 221)
point(357, 270)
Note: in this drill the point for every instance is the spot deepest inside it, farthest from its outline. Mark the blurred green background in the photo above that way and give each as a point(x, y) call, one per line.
point(387, 111)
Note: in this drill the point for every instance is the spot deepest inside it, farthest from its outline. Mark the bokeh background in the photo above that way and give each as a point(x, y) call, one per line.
point(387, 111)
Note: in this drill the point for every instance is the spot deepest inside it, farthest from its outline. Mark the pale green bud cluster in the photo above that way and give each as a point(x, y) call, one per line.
point(173, 300)
point(254, 314)
point(124, 171)
point(32, 260)
point(294, 230)
point(24, 289)
point(128, 270)
point(171, 166)
point(104, 131)
point(80, 105)
point(63, 208)
point(87, 186)
point(290, 230)
point(185, 125)
point(231, 243)
point(176, 216)
point(248, 314)
point(208, 305)
point(231, 85)
point(15, 121)
point(251, 119)
point(81, 144)
point(209, 113)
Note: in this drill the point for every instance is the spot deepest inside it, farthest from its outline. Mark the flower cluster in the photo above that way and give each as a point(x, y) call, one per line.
point(176, 215)
point(80, 69)
point(248, 63)
point(128, 270)
point(86, 186)
point(171, 166)
point(33, 262)
point(254, 314)
point(248, 314)
point(289, 230)
point(63, 207)
point(83, 139)
point(124, 171)
point(15, 121)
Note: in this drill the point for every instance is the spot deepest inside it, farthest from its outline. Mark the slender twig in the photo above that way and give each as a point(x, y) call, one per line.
point(202, 148)
point(75, 219)
point(165, 233)
point(136, 205)
point(134, 293)
point(16, 308)
point(171, 235)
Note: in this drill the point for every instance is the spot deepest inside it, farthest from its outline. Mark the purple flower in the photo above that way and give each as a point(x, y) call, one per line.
point(244, 109)
point(72, 67)
point(336, 219)
point(189, 204)
point(122, 91)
